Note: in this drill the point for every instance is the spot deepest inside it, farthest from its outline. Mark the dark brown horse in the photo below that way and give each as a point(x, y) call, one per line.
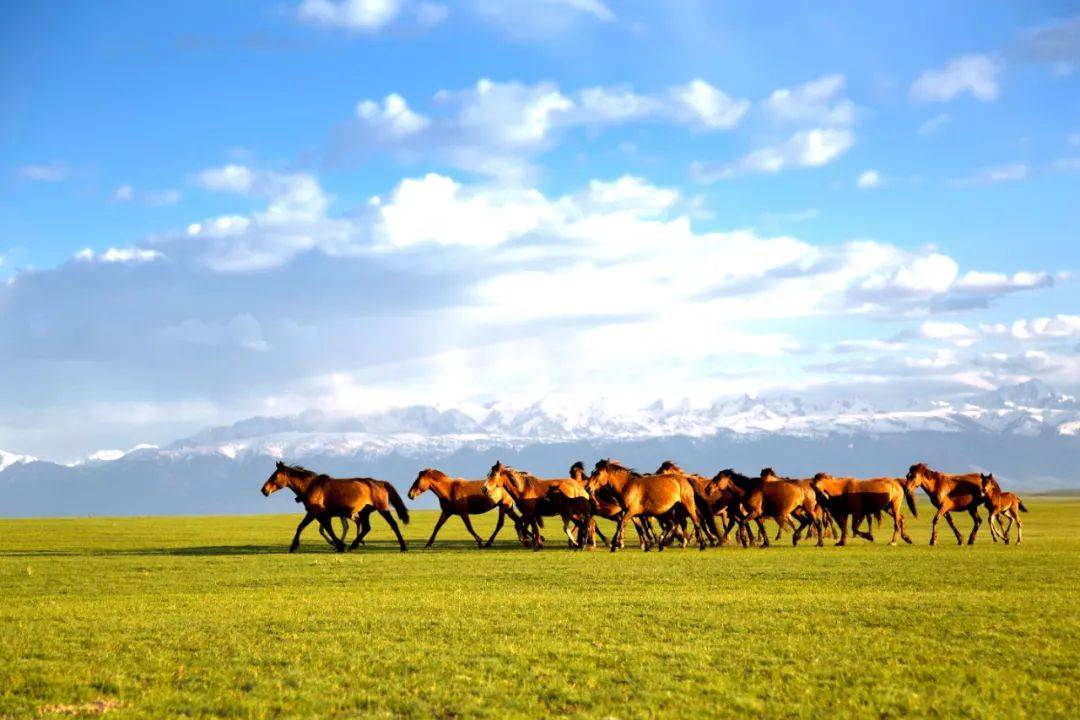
point(325, 498)
point(848, 497)
point(667, 496)
point(760, 498)
point(949, 493)
point(533, 500)
point(710, 504)
point(1002, 503)
point(462, 498)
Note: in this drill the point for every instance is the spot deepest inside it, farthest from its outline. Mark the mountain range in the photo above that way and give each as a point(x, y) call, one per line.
point(1028, 434)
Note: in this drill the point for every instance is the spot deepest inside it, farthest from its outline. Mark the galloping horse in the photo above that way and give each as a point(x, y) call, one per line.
point(463, 498)
point(325, 497)
point(1002, 503)
point(860, 499)
point(949, 493)
point(708, 504)
point(532, 498)
point(760, 498)
point(663, 496)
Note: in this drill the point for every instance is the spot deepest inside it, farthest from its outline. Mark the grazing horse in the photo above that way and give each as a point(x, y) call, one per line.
point(1002, 503)
point(463, 498)
point(532, 498)
point(778, 499)
point(949, 493)
point(708, 504)
point(665, 496)
point(860, 499)
point(325, 497)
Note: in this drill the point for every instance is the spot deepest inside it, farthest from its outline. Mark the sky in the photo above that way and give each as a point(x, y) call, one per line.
point(211, 211)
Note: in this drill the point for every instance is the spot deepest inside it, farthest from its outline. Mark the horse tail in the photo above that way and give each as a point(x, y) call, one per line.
point(1020, 504)
point(399, 505)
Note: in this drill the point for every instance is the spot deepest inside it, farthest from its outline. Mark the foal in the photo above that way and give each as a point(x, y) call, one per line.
point(462, 498)
point(860, 499)
point(325, 497)
point(1002, 503)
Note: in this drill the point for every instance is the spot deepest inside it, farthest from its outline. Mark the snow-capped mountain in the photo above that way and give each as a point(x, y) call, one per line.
point(1029, 435)
point(7, 459)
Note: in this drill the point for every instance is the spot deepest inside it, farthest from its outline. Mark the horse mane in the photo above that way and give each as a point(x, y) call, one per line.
point(301, 470)
point(737, 477)
point(577, 466)
point(669, 466)
point(615, 465)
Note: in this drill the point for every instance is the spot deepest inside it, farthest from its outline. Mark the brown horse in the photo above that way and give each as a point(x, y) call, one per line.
point(708, 504)
point(848, 497)
point(532, 498)
point(949, 493)
point(463, 498)
point(325, 497)
point(665, 496)
point(767, 496)
point(604, 507)
point(1002, 503)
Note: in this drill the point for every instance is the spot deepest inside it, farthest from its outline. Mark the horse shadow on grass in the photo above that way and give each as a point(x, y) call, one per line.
point(376, 548)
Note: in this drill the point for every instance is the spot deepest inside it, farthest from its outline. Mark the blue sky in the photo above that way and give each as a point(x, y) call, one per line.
point(214, 210)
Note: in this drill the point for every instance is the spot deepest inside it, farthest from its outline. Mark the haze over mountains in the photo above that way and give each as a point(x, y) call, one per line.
point(1028, 434)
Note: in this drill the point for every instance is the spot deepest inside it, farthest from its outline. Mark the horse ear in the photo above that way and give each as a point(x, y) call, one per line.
point(280, 464)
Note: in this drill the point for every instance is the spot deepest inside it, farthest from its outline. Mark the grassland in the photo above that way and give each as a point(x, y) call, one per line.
point(185, 617)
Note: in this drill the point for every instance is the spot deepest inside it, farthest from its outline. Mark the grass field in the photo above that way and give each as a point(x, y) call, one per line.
point(208, 616)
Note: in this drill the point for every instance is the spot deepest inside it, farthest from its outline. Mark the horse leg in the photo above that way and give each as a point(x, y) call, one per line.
point(438, 526)
point(389, 518)
point(338, 545)
point(895, 524)
point(842, 522)
point(977, 519)
point(539, 538)
point(764, 536)
point(1019, 526)
point(804, 523)
point(498, 526)
point(299, 529)
point(956, 531)
point(468, 526)
point(620, 529)
point(363, 524)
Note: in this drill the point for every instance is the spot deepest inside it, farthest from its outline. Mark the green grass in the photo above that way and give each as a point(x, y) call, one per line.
point(209, 616)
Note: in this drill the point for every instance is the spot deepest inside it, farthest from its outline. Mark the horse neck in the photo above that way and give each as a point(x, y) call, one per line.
point(529, 485)
point(440, 485)
point(300, 484)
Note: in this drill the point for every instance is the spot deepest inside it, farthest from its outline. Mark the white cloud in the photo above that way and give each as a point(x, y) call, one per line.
point(808, 148)
point(118, 255)
point(48, 172)
point(1058, 327)
point(996, 174)
point(954, 332)
point(818, 102)
point(366, 15)
point(869, 179)
point(394, 116)
point(229, 178)
point(702, 103)
point(124, 193)
point(974, 74)
point(934, 124)
point(497, 127)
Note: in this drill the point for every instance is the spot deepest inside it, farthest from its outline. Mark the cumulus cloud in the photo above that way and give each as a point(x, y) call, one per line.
point(807, 148)
point(973, 74)
point(118, 255)
point(819, 102)
point(370, 15)
point(497, 127)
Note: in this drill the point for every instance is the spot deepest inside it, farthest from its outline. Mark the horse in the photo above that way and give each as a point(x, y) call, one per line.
point(1002, 503)
point(462, 497)
point(762, 498)
point(809, 513)
point(708, 504)
point(949, 493)
point(663, 496)
point(325, 497)
point(860, 499)
point(604, 507)
point(532, 498)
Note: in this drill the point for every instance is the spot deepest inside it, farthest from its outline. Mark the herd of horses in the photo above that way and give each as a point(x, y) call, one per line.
point(685, 507)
